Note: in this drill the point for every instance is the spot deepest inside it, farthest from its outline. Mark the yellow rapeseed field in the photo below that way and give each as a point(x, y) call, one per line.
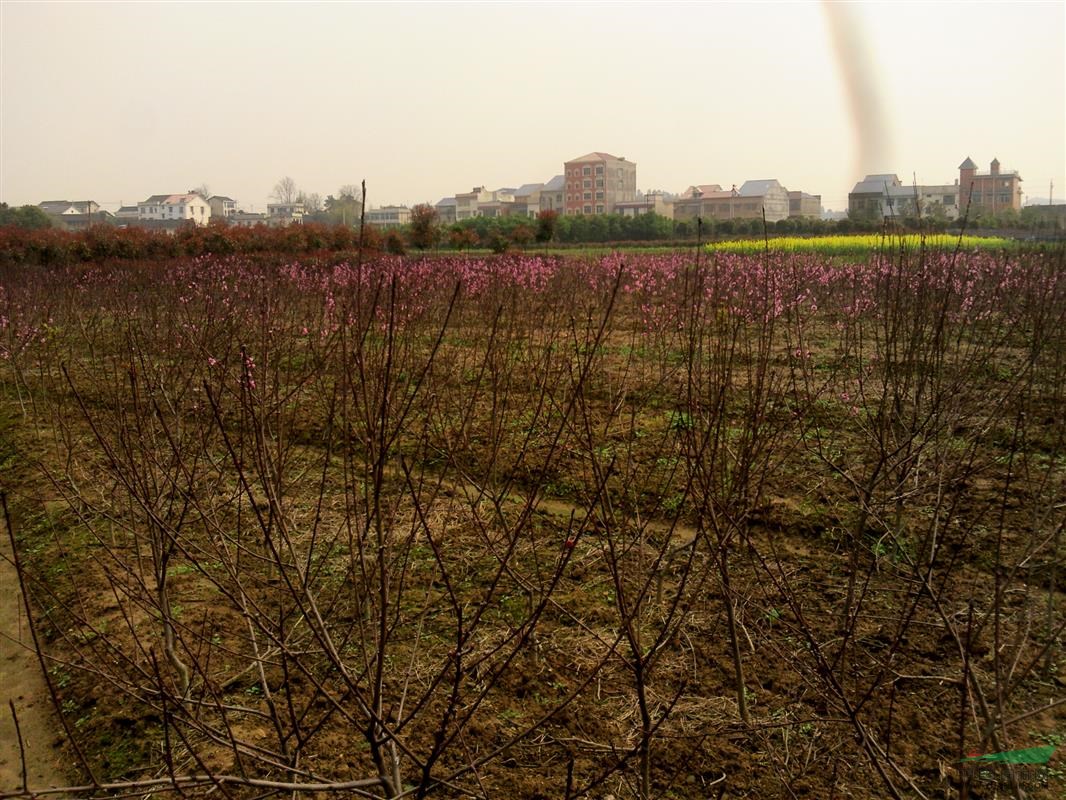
point(860, 244)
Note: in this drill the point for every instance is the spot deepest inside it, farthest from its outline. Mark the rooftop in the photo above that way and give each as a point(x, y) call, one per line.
point(596, 155)
point(875, 184)
point(556, 184)
point(758, 188)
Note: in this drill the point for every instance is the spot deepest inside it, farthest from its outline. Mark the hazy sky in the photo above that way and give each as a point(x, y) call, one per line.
point(118, 101)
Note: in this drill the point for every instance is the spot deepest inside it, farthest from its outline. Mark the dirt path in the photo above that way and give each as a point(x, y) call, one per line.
point(21, 682)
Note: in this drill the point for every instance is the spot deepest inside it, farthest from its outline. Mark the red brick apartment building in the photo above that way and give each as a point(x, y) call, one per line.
point(597, 182)
point(993, 191)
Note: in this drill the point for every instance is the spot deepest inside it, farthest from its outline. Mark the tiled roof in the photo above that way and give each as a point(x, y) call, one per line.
point(170, 199)
point(556, 184)
point(875, 184)
point(526, 189)
point(688, 198)
point(51, 206)
point(705, 188)
point(758, 188)
point(596, 155)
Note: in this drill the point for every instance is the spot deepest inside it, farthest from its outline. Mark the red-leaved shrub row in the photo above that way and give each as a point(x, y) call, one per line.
point(51, 246)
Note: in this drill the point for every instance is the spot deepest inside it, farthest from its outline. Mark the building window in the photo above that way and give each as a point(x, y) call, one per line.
point(588, 196)
point(587, 184)
point(599, 183)
point(599, 209)
point(586, 171)
point(599, 195)
point(599, 170)
point(588, 209)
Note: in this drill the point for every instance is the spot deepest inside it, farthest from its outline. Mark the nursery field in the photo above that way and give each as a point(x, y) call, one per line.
point(689, 524)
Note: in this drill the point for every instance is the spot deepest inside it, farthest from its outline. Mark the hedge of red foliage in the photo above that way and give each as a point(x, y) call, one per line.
point(51, 246)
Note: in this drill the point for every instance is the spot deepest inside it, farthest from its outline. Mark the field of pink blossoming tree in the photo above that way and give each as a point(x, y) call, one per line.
point(633, 526)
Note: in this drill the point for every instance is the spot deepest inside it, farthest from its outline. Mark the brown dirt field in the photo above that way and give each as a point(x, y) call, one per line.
point(21, 683)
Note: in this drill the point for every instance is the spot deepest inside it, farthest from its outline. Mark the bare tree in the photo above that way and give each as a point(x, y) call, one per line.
point(350, 191)
point(312, 202)
point(285, 190)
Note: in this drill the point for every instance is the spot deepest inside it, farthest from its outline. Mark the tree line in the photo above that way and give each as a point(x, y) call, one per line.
point(27, 235)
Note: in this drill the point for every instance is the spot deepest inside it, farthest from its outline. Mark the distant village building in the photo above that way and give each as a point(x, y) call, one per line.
point(281, 214)
point(388, 216)
point(240, 219)
point(886, 197)
point(527, 199)
point(445, 210)
point(869, 198)
point(597, 182)
point(553, 195)
point(764, 198)
point(75, 215)
point(501, 203)
point(168, 226)
point(750, 201)
point(191, 207)
point(801, 204)
point(1051, 215)
point(68, 207)
point(479, 202)
point(699, 201)
point(989, 192)
point(222, 207)
point(127, 212)
point(649, 203)
point(81, 222)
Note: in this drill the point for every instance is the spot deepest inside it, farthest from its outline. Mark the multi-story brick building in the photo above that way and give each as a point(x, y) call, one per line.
point(989, 192)
point(597, 182)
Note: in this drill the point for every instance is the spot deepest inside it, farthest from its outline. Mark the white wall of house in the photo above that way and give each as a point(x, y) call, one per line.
point(176, 207)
